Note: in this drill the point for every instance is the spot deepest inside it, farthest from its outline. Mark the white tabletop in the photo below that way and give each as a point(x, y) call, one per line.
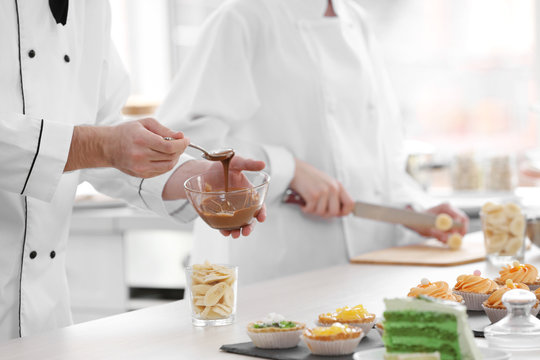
point(165, 331)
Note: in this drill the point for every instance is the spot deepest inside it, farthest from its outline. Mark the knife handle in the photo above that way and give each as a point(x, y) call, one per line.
point(292, 197)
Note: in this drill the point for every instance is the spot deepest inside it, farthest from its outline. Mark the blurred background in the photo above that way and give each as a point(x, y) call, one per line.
point(466, 74)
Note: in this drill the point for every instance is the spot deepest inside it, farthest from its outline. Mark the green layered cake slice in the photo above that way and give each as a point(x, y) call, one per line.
point(427, 325)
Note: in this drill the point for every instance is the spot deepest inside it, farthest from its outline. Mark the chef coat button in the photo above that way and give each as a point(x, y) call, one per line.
point(33, 255)
point(31, 53)
point(53, 254)
point(66, 58)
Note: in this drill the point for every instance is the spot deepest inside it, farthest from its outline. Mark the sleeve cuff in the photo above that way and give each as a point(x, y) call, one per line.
point(150, 191)
point(281, 164)
point(48, 165)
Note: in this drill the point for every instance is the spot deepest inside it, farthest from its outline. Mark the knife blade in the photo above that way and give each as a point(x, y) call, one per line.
point(394, 215)
point(384, 213)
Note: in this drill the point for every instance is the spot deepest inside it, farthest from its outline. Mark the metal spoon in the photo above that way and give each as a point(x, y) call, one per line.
point(217, 155)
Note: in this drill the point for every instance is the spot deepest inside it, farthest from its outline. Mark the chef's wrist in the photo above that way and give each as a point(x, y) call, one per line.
point(88, 149)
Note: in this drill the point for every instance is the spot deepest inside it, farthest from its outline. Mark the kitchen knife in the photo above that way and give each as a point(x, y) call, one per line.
point(389, 214)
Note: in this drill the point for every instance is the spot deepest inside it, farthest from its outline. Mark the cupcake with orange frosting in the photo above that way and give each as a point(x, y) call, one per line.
point(338, 339)
point(437, 289)
point(520, 273)
point(493, 306)
point(537, 293)
point(356, 316)
point(474, 289)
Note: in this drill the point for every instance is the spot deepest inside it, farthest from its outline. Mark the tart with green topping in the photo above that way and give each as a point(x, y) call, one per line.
point(275, 332)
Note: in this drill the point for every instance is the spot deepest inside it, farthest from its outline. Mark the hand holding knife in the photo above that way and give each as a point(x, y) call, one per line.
point(409, 218)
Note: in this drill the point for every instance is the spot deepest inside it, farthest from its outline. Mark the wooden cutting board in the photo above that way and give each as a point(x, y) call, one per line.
point(429, 253)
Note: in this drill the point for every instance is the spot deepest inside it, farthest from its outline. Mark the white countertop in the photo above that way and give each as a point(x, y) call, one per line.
point(165, 331)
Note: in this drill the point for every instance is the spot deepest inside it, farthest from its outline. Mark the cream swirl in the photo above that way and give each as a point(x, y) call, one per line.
point(518, 273)
point(475, 284)
point(495, 299)
point(437, 289)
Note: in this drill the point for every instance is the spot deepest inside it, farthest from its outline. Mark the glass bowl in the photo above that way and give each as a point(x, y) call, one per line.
point(232, 209)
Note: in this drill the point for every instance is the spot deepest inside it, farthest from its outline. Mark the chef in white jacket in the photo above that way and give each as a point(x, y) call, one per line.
point(298, 83)
point(58, 71)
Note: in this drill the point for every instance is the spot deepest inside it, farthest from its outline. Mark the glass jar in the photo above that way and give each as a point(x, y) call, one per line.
point(211, 290)
point(504, 228)
point(501, 173)
point(466, 172)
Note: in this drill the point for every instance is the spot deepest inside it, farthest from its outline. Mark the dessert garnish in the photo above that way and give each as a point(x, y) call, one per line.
point(281, 325)
point(335, 329)
point(425, 283)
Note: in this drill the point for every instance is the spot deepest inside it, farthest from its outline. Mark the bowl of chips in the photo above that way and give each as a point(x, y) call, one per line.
point(227, 205)
point(211, 291)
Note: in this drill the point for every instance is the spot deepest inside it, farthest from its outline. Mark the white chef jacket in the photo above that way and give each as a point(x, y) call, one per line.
point(52, 77)
point(276, 80)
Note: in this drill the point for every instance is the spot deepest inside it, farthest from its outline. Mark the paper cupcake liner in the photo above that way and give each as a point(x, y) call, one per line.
point(332, 347)
point(495, 314)
point(276, 339)
point(473, 301)
point(366, 327)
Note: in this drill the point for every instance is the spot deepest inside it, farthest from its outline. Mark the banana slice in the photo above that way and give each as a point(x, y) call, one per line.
point(214, 277)
point(517, 226)
point(197, 278)
point(198, 309)
point(512, 210)
point(205, 312)
point(228, 297)
point(230, 281)
point(443, 222)
point(199, 302)
point(490, 207)
point(222, 310)
point(513, 245)
point(214, 294)
point(496, 218)
point(200, 289)
point(496, 242)
point(454, 241)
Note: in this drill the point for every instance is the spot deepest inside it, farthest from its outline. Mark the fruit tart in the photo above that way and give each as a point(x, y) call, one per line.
point(356, 316)
point(274, 332)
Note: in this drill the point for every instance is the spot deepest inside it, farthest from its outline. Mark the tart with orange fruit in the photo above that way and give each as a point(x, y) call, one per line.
point(519, 273)
point(474, 289)
point(356, 316)
point(437, 289)
point(493, 306)
point(338, 339)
